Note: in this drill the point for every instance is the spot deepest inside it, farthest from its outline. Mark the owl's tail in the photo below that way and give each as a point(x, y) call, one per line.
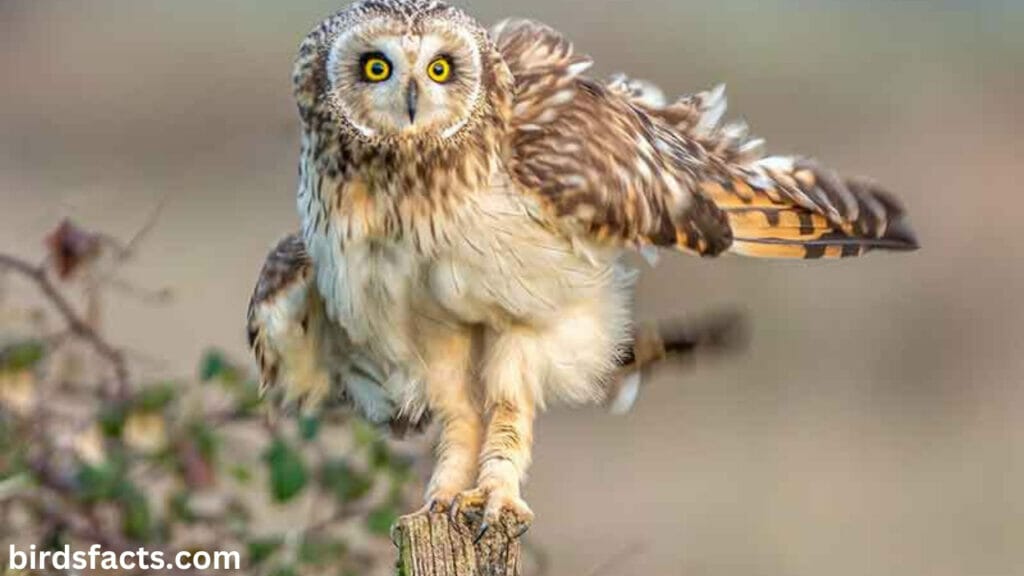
point(781, 207)
point(654, 343)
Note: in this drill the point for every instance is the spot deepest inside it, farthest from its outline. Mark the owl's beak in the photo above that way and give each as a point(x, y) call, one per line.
point(410, 101)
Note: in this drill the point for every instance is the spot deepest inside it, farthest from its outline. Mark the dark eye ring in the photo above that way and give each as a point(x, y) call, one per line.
point(375, 67)
point(440, 69)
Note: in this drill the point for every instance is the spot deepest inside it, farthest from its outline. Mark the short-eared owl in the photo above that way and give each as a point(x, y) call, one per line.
point(466, 196)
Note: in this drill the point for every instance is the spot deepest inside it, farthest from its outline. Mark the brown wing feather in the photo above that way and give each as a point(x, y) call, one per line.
point(795, 208)
point(777, 207)
point(301, 353)
point(286, 267)
point(281, 310)
point(600, 163)
point(695, 116)
point(618, 163)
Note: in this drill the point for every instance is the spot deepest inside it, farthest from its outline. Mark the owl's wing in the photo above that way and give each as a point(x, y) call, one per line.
point(284, 313)
point(697, 116)
point(618, 164)
point(307, 357)
point(591, 156)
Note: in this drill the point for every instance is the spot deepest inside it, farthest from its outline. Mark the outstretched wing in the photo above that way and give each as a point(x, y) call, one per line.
point(616, 162)
point(695, 116)
point(593, 158)
point(777, 207)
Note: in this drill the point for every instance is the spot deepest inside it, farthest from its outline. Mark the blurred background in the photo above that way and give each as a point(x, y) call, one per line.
point(875, 424)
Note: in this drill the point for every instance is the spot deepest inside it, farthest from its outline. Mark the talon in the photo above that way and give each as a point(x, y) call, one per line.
point(453, 512)
point(482, 508)
point(462, 505)
point(523, 529)
point(484, 526)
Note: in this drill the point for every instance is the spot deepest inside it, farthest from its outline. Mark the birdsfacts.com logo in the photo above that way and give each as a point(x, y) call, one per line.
point(98, 559)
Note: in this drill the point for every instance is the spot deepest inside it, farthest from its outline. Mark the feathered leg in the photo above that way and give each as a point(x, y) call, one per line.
point(503, 463)
point(449, 388)
point(511, 376)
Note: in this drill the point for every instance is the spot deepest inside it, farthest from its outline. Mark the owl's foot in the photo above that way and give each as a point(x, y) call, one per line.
point(488, 507)
point(440, 500)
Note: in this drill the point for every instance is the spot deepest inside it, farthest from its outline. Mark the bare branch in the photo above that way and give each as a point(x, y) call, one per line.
point(76, 324)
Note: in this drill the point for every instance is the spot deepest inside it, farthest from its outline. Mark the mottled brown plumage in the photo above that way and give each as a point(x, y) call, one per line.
point(465, 198)
point(622, 165)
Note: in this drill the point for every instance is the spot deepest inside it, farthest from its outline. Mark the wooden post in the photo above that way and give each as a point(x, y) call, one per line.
point(431, 544)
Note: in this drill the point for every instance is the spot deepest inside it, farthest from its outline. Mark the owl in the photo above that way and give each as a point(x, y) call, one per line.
point(466, 198)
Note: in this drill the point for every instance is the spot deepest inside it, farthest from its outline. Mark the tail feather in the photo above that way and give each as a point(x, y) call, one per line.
point(786, 208)
point(721, 333)
point(774, 207)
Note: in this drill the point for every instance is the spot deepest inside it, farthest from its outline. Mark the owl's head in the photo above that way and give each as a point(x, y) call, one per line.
point(396, 70)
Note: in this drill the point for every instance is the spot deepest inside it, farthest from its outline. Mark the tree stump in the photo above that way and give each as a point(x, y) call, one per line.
point(432, 544)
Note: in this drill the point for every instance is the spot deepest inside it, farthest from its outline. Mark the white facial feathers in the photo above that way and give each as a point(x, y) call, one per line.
point(407, 99)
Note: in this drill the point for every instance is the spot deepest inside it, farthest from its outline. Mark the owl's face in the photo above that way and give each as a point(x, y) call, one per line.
point(394, 78)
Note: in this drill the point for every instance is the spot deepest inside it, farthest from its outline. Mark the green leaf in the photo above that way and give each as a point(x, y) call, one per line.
point(381, 519)
point(97, 483)
point(309, 427)
point(156, 398)
point(247, 396)
point(288, 474)
point(319, 551)
point(284, 571)
point(380, 454)
point(205, 439)
point(137, 522)
point(241, 473)
point(213, 365)
point(346, 483)
point(363, 432)
point(21, 356)
point(55, 538)
point(260, 549)
point(111, 420)
point(180, 508)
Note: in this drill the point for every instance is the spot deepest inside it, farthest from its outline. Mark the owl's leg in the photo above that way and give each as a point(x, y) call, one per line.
point(449, 391)
point(510, 380)
point(503, 463)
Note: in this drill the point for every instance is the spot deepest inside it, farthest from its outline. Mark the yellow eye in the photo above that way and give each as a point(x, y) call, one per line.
point(440, 70)
point(376, 68)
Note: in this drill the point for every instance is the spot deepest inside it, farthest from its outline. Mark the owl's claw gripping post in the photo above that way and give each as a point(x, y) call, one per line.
point(486, 509)
point(484, 526)
point(469, 503)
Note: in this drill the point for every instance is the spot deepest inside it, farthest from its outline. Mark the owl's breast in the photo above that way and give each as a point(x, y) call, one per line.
point(505, 262)
point(369, 289)
point(364, 276)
